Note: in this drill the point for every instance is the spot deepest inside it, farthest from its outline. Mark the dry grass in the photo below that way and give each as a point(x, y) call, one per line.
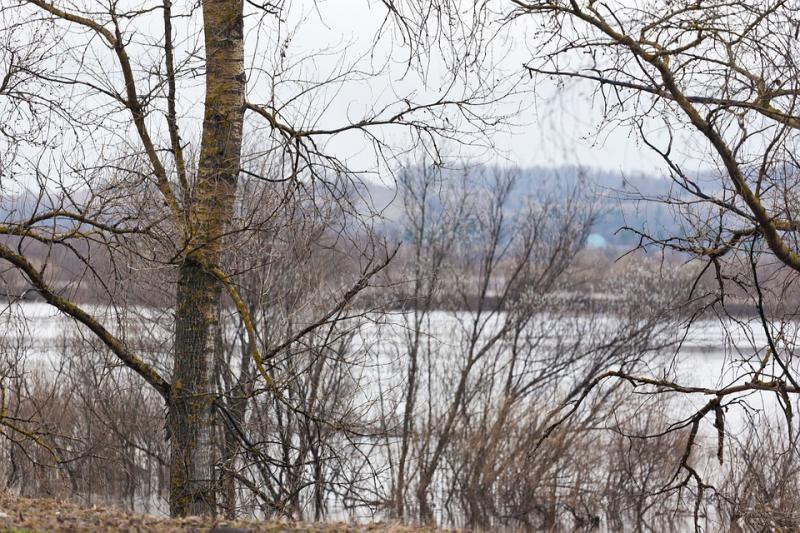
point(25, 515)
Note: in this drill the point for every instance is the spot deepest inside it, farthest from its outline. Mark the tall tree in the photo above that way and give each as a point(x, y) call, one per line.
point(193, 488)
point(97, 100)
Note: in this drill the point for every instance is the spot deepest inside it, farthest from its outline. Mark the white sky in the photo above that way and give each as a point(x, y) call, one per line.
point(553, 128)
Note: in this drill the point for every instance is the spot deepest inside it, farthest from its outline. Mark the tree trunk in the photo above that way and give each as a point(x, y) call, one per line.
point(238, 398)
point(192, 486)
point(408, 421)
point(231, 448)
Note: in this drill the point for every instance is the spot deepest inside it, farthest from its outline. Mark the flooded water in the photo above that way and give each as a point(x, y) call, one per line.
point(707, 353)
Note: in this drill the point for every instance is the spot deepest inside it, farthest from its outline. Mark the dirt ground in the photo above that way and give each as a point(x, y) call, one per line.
point(25, 515)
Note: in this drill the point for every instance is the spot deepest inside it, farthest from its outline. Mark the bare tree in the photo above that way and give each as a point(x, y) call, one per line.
point(101, 157)
point(715, 82)
point(490, 332)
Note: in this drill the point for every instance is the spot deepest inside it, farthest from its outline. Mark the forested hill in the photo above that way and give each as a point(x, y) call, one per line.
point(618, 199)
point(621, 199)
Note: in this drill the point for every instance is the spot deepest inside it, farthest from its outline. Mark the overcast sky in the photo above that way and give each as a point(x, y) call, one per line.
point(320, 39)
point(554, 128)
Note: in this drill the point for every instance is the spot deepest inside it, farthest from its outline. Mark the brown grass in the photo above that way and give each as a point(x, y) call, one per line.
point(44, 515)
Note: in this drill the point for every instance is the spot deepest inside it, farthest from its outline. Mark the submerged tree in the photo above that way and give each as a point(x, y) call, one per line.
point(711, 82)
point(497, 328)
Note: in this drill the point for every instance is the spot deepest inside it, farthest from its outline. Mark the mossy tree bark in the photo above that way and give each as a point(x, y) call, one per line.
point(192, 487)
